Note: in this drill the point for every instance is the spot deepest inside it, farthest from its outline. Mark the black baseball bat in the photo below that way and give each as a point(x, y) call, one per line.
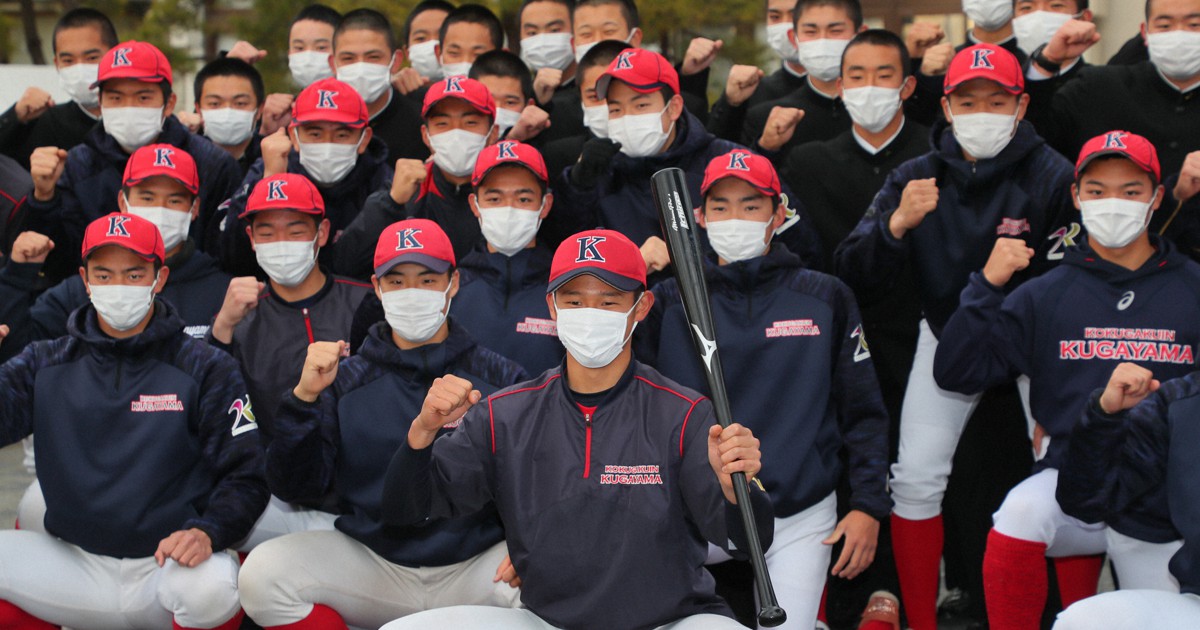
point(670, 191)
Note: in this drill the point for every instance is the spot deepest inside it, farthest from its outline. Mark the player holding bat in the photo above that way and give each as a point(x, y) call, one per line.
point(602, 469)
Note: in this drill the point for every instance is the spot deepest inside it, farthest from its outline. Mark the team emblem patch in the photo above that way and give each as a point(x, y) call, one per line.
point(325, 99)
point(150, 404)
point(588, 251)
point(275, 190)
point(506, 150)
point(794, 328)
point(737, 162)
point(1012, 227)
point(861, 351)
point(624, 61)
point(162, 157)
point(538, 326)
point(648, 475)
point(454, 84)
point(121, 57)
point(407, 239)
point(243, 416)
point(1115, 140)
point(116, 226)
point(981, 59)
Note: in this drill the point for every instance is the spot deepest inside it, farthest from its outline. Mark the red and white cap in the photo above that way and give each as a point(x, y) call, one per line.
point(985, 61)
point(142, 61)
point(162, 160)
point(1131, 146)
point(125, 230)
point(606, 254)
point(473, 92)
point(285, 191)
point(419, 241)
point(330, 100)
point(745, 165)
point(509, 152)
point(643, 70)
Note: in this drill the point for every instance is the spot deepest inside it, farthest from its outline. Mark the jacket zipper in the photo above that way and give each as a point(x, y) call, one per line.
point(587, 449)
point(308, 326)
point(118, 383)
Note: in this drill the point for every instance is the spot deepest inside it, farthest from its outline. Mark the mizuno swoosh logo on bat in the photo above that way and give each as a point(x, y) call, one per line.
point(708, 347)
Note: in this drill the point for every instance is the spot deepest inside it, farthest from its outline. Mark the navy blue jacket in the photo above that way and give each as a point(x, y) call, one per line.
point(1067, 330)
point(797, 370)
point(91, 183)
point(606, 514)
point(136, 438)
point(1024, 192)
point(1115, 459)
point(344, 441)
point(502, 301)
point(343, 201)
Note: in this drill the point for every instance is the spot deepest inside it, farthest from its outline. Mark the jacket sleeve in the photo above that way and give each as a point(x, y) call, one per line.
point(718, 520)
point(14, 137)
point(53, 308)
point(62, 218)
point(862, 418)
point(17, 377)
point(452, 477)
point(726, 120)
point(235, 254)
point(220, 183)
point(648, 333)
point(799, 234)
point(17, 282)
point(230, 443)
point(353, 252)
point(987, 340)
point(300, 459)
point(870, 258)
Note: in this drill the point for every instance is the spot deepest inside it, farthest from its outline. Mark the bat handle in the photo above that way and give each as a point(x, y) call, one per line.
point(771, 616)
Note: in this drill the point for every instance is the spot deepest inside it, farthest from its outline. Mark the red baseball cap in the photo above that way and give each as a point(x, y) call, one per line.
point(985, 61)
point(1128, 145)
point(749, 167)
point(509, 152)
point(419, 241)
point(473, 92)
point(330, 100)
point(643, 70)
point(125, 230)
point(163, 160)
point(606, 254)
point(286, 191)
point(134, 60)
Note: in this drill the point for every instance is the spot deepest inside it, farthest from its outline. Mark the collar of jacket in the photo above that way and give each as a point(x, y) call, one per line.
point(428, 361)
point(84, 325)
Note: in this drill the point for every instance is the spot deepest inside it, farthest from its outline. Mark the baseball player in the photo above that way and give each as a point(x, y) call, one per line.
point(151, 467)
point(507, 78)
point(770, 311)
point(547, 46)
point(989, 176)
point(229, 101)
point(330, 439)
point(1137, 435)
point(310, 43)
point(421, 28)
point(602, 469)
point(1107, 301)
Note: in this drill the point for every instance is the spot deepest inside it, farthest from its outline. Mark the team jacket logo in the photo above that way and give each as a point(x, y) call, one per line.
point(1012, 227)
point(793, 328)
point(325, 99)
point(506, 150)
point(116, 226)
point(275, 190)
point(981, 59)
point(737, 162)
point(588, 251)
point(121, 57)
point(538, 326)
point(1127, 344)
point(624, 61)
point(1063, 237)
point(1126, 301)
point(150, 404)
point(861, 351)
point(647, 475)
point(243, 418)
point(162, 157)
point(407, 239)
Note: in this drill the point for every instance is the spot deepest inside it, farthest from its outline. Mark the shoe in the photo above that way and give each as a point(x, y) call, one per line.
point(954, 605)
point(882, 607)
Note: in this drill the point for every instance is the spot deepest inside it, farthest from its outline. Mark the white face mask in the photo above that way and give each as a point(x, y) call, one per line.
point(1034, 29)
point(510, 229)
point(640, 135)
point(416, 314)
point(736, 240)
point(228, 126)
point(424, 59)
point(582, 49)
point(460, 69)
point(595, 117)
point(547, 50)
point(287, 262)
point(370, 80)
point(455, 151)
point(76, 80)
point(823, 57)
point(172, 224)
point(872, 108)
point(1175, 53)
point(1115, 222)
point(132, 127)
point(984, 136)
point(122, 306)
point(308, 67)
point(777, 39)
point(594, 336)
point(329, 162)
point(989, 15)
point(506, 119)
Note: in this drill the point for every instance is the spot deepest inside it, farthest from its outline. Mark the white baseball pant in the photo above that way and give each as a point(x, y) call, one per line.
point(281, 518)
point(488, 618)
point(1030, 512)
point(1142, 565)
point(1132, 610)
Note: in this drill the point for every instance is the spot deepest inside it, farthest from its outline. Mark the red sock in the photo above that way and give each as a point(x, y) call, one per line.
point(821, 611)
point(1014, 582)
point(1077, 577)
point(234, 623)
point(321, 618)
point(917, 546)
point(877, 625)
point(13, 618)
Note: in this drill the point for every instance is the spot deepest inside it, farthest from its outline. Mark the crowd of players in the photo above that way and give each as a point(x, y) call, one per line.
point(404, 348)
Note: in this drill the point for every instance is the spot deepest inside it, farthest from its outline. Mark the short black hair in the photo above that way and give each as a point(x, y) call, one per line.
point(881, 37)
point(366, 20)
point(474, 14)
point(164, 85)
point(423, 6)
point(568, 4)
point(503, 63)
point(602, 54)
point(628, 8)
point(319, 13)
point(81, 17)
point(852, 8)
point(230, 67)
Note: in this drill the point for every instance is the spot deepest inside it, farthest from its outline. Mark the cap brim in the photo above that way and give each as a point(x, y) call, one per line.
point(349, 121)
point(192, 188)
point(314, 212)
point(436, 265)
point(605, 79)
point(153, 78)
point(616, 281)
point(482, 110)
point(987, 76)
point(475, 181)
point(143, 255)
point(766, 191)
point(1083, 164)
